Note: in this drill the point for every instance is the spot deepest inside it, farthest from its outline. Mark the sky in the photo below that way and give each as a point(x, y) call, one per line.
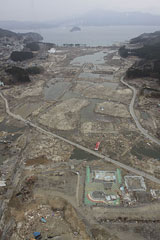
point(43, 10)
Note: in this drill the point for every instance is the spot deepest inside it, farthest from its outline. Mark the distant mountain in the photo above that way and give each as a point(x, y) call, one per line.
point(93, 18)
point(26, 25)
point(30, 36)
point(105, 18)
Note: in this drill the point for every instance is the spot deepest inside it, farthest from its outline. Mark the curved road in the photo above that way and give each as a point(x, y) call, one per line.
point(131, 109)
point(105, 158)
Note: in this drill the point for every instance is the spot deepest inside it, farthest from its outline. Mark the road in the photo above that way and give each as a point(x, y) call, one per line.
point(105, 158)
point(77, 187)
point(131, 109)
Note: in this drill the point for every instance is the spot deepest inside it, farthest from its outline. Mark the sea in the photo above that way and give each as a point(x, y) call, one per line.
point(92, 36)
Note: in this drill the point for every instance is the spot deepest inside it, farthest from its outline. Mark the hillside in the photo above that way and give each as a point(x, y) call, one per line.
point(7, 33)
point(148, 53)
point(28, 36)
point(147, 39)
point(146, 46)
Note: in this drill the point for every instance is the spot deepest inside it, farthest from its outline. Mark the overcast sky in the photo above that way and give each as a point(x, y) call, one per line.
point(40, 10)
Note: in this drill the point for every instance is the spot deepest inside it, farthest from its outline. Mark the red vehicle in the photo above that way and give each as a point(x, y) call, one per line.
point(97, 146)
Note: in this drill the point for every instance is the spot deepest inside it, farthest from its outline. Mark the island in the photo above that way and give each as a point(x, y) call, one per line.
point(75, 29)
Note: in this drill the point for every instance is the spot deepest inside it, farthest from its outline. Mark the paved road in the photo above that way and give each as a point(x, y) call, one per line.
point(131, 109)
point(105, 158)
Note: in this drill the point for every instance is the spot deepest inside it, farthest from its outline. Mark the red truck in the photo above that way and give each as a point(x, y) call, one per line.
point(97, 146)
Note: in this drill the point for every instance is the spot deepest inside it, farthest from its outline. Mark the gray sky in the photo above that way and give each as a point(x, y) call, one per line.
point(39, 10)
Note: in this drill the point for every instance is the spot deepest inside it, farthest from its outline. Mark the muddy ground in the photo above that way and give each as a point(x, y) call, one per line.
point(82, 99)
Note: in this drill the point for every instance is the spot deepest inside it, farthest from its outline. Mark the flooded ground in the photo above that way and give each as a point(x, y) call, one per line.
point(97, 76)
point(96, 58)
point(54, 90)
point(60, 90)
point(141, 151)
point(4, 126)
point(87, 113)
point(79, 154)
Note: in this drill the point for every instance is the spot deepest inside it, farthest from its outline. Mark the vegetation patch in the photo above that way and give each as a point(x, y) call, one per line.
point(33, 46)
point(19, 74)
point(34, 70)
point(21, 56)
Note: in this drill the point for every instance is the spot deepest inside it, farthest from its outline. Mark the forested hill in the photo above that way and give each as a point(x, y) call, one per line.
point(7, 33)
point(147, 48)
point(33, 36)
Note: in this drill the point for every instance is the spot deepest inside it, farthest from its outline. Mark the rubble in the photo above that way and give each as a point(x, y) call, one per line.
point(2, 183)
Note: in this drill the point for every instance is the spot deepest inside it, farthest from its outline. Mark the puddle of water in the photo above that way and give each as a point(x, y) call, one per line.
point(110, 85)
point(87, 113)
point(71, 94)
point(140, 151)
point(54, 90)
point(89, 75)
point(96, 58)
point(79, 154)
